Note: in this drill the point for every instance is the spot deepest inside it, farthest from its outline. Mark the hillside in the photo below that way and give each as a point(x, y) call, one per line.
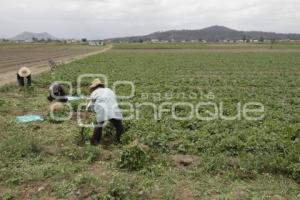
point(29, 36)
point(213, 33)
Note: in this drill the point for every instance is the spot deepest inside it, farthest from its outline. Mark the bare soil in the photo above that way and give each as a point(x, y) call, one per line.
point(36, 58)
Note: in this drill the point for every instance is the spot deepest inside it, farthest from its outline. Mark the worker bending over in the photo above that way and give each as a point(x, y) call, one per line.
point(57, 93)
point(24, 73)
point(103, 102)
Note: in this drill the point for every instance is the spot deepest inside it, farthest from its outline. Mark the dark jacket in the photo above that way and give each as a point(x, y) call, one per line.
point(56, 92)
point(21, 80)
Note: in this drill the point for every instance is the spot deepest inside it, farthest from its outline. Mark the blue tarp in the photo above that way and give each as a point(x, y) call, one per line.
point(29, 118)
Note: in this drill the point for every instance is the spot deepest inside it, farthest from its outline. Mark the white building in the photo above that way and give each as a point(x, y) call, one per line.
point(154, 40)
point(29, 41)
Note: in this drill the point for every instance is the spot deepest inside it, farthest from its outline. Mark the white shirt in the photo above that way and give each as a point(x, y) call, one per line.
point(104, 103)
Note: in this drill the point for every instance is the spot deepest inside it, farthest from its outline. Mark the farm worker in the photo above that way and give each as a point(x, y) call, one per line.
point(103, 102)
point(24, 73)
point(56, 92)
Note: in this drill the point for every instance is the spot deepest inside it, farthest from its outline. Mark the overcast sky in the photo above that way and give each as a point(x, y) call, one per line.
point(98, 19)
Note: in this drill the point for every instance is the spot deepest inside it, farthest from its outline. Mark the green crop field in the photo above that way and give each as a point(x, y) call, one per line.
point(231, 159)
point(242, 46)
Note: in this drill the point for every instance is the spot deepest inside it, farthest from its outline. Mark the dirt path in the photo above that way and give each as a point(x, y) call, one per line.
point(9, 76)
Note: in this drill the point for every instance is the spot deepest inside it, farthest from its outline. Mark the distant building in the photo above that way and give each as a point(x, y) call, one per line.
point(154, 40)
point(96, 42)
point(71, 41)
point(164, 41)
point(286, 40)
point(29, 41)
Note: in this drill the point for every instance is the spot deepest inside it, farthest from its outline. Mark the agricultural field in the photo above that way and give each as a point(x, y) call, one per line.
point(163, 158)
point(36, 56)
point(214, 46)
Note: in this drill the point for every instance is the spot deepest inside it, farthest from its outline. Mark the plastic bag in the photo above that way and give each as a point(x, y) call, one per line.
point(29, 118)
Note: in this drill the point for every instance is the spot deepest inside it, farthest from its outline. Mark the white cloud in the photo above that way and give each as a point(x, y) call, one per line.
point(110, 18)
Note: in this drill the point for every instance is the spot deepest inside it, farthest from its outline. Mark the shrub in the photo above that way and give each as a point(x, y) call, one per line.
point(134, 157)
point(295, 170)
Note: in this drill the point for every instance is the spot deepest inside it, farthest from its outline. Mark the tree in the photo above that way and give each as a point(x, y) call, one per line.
point(83, 40)
point(261, 39)
point(35, 39)
point(244, 38)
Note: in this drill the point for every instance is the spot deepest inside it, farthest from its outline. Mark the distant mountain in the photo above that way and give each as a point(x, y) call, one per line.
point(29, 36)
point(213, 33)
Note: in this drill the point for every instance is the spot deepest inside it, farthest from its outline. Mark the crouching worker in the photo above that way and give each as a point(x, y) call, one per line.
point(57, 93)
point(24, 73)
point(103, 102)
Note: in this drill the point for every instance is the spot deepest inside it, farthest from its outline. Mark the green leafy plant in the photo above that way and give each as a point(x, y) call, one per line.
point(134, 156)
point(88, 153)
point(7, 196)
point(82, 136)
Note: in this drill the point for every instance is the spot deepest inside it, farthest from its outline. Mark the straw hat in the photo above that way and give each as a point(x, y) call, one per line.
point(96, 83)
point(56, 107)
point(24, 72)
